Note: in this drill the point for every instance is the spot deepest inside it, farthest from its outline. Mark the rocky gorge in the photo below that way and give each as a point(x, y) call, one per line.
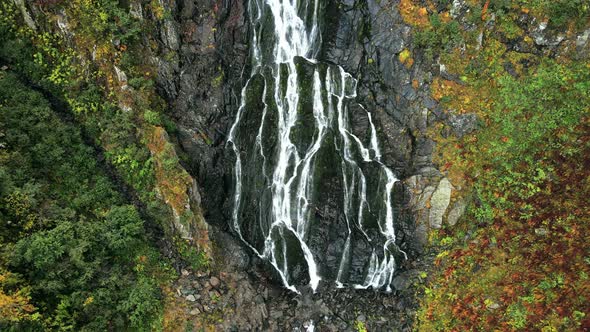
point(366, 41)
point(365, 38)
point(306, 165)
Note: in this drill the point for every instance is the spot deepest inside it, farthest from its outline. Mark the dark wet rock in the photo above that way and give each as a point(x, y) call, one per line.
point(402, 282)
point(233, 255)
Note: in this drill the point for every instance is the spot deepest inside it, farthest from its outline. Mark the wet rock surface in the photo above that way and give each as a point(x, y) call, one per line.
point(201, 79)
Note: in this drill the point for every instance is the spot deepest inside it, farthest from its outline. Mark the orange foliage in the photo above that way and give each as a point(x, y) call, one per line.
point(173, 181)
point(547, 275)
point(414, 14)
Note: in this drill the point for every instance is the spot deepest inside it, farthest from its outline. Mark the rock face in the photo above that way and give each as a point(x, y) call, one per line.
point(583, 44)
point(202, 52)
point(456, 212)
point(201, 79)
point(205, 51)
point(368, 42)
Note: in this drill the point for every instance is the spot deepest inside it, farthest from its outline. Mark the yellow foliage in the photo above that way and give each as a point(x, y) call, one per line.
point(173, 180)
point(405, 57)
point(88, 301)
point(157, 9)
point(15, 306)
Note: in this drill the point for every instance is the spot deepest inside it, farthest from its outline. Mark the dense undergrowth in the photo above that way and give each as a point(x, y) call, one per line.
point(520, 257)
point(74, 256)
point(74, 253)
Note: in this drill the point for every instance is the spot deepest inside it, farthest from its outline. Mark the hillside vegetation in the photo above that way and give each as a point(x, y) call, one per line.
point(73, 253)
point(520, 257)
point(76, 252)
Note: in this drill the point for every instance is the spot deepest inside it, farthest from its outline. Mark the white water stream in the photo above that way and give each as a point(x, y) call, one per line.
point(288, 172)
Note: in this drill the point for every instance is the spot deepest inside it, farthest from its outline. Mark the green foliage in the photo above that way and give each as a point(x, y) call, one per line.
point(55, 58)
point(84, 265)
point(563, 12)
point(439, 37)
point(517, 314)
point(103, 19)
point(44, 58)
point(170, 160)
point(152, 117)
point(118, 132)
point(66, 235)
point(36, 138)
point(500, 6)
point(218, 80)
point(544, 107)
point(196, 259)
point(61, 211)
point(518, 260)
point(141, 83)
point(360, 326)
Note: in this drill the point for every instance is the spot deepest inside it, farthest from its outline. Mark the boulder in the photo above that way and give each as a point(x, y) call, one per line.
point(439, 202)
point(456, 212)
point(214, 281)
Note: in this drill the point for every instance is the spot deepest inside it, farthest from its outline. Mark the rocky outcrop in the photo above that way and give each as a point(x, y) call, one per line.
point(430, 200)
point(179, 190)
point(457, 210)
point(371, 40)
point(583, 44)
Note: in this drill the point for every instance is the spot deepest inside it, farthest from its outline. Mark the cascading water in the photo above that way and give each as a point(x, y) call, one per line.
point(293, 131)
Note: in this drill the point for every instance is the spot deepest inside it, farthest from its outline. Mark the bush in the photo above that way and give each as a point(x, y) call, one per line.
point(77, 256)
point(152, 117)
point(438, 37)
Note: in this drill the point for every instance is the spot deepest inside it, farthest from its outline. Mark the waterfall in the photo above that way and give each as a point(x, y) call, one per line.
point(294, 111)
